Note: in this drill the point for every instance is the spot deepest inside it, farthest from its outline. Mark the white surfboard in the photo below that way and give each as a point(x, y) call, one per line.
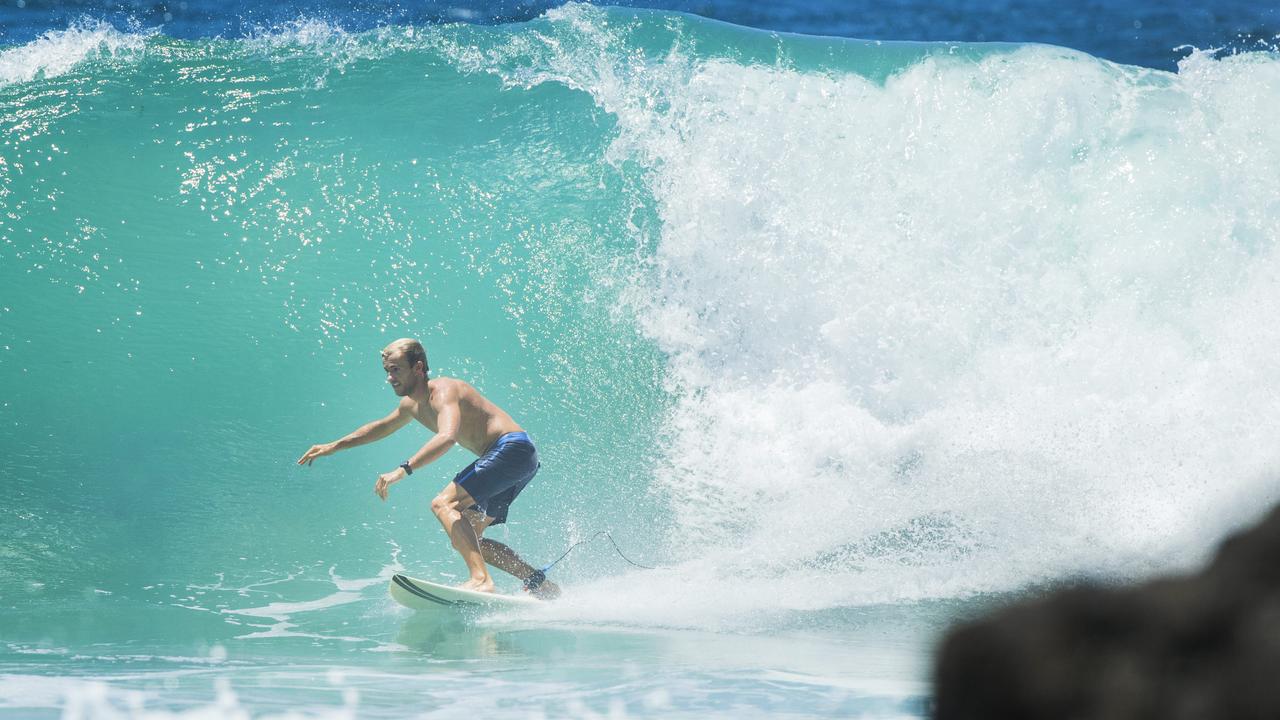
point(426, 595)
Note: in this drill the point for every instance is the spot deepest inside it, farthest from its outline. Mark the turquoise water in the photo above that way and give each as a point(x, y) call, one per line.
point(850, 339)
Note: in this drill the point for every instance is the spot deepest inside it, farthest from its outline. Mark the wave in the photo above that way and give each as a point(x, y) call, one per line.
point(861, 322)
point(58, 51)
point(996, 319)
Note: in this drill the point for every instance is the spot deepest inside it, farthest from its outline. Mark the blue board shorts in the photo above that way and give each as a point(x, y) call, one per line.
point(499, 474)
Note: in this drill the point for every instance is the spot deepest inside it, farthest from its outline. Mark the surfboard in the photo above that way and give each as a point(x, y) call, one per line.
point(426, 595)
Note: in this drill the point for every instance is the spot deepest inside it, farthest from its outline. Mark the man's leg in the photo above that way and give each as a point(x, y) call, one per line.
point(505, 559)
point(448, 507)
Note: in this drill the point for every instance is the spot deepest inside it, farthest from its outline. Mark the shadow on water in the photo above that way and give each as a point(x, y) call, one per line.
point(380, 659)
point(873, 649)
point(450, 635)
point(667, 670)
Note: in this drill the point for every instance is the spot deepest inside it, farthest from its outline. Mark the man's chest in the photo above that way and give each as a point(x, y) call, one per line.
point(427, 415)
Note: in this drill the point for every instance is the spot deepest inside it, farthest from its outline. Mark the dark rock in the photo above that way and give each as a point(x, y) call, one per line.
point(1203, 647)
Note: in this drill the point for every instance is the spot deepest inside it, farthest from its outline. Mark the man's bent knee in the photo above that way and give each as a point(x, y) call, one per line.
point(451, 499)
point(443, 505)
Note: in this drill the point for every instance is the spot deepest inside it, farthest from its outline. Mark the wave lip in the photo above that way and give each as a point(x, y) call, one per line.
point(58, 51)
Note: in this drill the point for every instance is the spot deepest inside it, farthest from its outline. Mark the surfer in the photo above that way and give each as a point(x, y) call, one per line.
point(480, 495)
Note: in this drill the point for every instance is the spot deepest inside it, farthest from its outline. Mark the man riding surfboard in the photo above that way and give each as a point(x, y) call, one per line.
point(478, 496)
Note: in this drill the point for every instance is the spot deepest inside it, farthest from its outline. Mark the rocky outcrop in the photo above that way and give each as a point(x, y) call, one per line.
point(1205, 646)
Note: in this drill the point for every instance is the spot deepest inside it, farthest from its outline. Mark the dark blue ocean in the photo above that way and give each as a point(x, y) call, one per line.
point(1137, 32)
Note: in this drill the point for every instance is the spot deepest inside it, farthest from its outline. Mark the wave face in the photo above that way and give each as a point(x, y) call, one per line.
point(812, 323)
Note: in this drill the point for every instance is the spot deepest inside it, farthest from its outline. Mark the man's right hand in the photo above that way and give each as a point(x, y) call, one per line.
point(315, 452)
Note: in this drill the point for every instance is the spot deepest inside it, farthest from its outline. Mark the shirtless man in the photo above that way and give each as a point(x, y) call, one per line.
point(479, 495)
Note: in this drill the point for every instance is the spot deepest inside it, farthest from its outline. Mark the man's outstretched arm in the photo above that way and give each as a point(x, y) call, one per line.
point(449, 417)
point(367, 433)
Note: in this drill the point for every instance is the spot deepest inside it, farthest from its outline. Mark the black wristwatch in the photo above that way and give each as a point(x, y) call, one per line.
point(408, 469)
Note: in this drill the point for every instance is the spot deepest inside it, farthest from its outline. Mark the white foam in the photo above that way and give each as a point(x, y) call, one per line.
point(987, 323)
point(303, 31)
point(104, 698)
point(317, 37)
point(284, 612)
point(381, 579)
point(58, 51)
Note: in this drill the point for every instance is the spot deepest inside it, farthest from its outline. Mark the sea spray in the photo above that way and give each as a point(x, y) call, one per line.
point(993, 320)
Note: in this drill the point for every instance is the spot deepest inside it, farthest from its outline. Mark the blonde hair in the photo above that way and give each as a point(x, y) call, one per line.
point(412, 351)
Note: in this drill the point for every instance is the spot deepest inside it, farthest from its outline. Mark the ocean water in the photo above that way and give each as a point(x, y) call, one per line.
point(1151, 33)
point(848, 338)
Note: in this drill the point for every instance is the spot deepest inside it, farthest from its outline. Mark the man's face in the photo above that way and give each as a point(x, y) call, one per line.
point(400, 376)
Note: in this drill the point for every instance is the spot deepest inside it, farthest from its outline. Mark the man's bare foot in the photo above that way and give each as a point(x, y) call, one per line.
point(485, 585)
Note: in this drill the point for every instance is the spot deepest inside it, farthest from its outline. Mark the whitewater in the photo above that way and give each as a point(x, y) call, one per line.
point(848, 339)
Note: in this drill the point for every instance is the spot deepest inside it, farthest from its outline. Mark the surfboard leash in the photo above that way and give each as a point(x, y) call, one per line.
point(538, 576)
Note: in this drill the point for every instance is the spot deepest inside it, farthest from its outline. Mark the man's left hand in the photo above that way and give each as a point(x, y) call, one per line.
point(386, 480)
